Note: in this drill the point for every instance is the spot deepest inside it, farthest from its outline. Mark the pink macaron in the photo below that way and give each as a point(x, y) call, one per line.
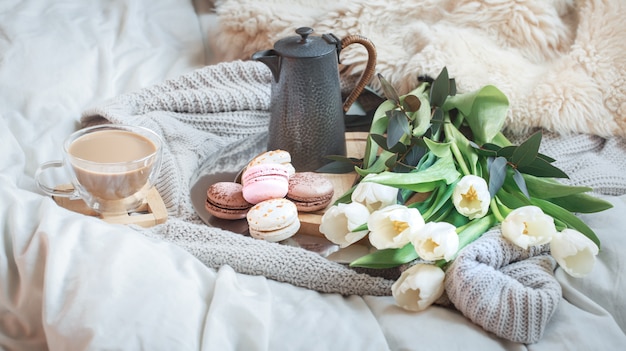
point(265, 181)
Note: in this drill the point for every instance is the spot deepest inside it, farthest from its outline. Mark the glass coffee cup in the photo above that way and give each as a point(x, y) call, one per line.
point(110, 167)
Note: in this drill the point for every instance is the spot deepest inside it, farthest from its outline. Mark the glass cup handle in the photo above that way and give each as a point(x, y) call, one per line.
point(48, 190)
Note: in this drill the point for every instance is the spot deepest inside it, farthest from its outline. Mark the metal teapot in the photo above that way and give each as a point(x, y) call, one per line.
point(306, 111)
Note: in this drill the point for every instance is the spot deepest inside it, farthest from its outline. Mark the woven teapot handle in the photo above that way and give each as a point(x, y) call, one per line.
point(369, 71)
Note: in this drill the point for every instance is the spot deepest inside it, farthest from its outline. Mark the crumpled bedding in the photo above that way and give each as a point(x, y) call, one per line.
point(72, 282)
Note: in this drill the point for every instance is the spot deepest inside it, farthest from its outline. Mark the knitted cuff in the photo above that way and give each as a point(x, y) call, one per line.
point(505, 289)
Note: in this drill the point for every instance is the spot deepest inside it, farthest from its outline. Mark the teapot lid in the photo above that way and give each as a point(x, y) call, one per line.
point(305, 46)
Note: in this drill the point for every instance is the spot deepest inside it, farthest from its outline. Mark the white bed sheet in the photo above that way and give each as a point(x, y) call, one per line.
point(71, 282)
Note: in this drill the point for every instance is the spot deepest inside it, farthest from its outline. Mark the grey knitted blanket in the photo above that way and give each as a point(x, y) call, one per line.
point(202, 112)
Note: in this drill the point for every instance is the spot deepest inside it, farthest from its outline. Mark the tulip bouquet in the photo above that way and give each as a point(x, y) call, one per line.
point(437, 173)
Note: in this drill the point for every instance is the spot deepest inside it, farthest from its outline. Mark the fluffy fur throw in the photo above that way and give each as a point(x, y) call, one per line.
point(561, 63)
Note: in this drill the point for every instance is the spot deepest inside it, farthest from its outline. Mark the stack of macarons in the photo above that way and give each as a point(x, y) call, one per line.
point(269, 195)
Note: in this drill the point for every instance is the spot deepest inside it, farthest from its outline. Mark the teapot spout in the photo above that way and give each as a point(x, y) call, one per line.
point(271, 59)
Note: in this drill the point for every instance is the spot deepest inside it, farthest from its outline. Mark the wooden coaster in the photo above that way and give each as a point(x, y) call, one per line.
point(151, 212)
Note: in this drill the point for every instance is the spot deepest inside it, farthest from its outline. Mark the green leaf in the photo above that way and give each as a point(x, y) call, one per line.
point(485, 111)
point(421, 118)
point(440, 88)
point(507, 151)
point(414, 155)
point(386, 258)
point(541, 168)
point(520, 182)
point(581, 203)
point(337, 167)
point(437, 120)
point(378, 165)
point(442, 171)
point(427, 203)
point(475, 229)
point(360, 228)
point(486, 150)
point(346, 197)
point(379, 139)
point(512, 200)
point(378, 126)
point(548, 188)
point(388, 90)
point(497, 175)
point(566, 217)
point(439, 149)
point(546, 158)
point(441, 213)
point(527, 151)
point(397, 127)
point(469, 153)
point(443, 195)
point(456, 219)
point(391, 161)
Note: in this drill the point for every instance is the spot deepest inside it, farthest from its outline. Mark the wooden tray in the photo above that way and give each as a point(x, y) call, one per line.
point(309, 222)
point(150, 213)
point(355, 147)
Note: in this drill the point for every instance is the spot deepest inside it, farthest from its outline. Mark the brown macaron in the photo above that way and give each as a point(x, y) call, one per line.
point(225, 200)
point(310, 191)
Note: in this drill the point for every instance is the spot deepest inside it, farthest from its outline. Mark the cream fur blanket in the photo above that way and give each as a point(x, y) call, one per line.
point(562, 63)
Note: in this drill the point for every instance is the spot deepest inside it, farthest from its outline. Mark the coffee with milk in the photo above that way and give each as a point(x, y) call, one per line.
point(112, 167)
point(114, 149)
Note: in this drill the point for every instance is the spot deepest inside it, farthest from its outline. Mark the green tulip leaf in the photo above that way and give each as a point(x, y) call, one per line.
point(421, 118)
point(485, 111)
point(442, 171)
point(346, 197)
point(581, 203)
point(377, 167)
point(442, 213)
point(474, 229)
point(442, 197)
point(439, 149)
point(548, 188)
point(512, 200)
point(386, 258)
point(463, 144)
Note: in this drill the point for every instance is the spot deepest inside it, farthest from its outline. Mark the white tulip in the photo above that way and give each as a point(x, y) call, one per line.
point(392, 227)
point(418, 287)
point(436, 240)
point(471, 197)
point(574, 252)
point(373, 195)
point(528, 226)
point(339, 221)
